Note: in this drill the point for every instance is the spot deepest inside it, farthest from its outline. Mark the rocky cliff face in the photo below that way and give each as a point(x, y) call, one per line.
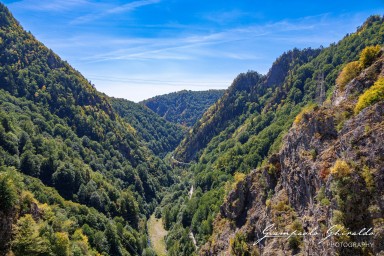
point(327, 180)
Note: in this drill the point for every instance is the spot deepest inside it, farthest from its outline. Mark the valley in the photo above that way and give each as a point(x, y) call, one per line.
point(157, 234)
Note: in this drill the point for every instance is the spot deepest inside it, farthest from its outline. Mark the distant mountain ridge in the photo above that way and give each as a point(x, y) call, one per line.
point(183, 107)
point(160, 135)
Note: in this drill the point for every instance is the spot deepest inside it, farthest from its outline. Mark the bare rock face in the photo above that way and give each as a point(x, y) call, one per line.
point(302, 145)
point(234, 206)
point(330, 171)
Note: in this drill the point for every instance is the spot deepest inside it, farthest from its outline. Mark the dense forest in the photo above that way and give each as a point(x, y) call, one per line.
point(80, 172)
point(75, 177)
point(184, 107)
point(248, 124)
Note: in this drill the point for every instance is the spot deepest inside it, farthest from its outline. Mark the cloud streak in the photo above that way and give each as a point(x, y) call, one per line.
point(129, 7)
point(187, 48)
point(51, 5)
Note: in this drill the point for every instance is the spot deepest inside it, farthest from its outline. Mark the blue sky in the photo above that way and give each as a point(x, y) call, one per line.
point(138, 49)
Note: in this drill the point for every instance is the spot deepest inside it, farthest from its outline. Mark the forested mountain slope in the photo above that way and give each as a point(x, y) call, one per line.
point(249, 93)
point(256, 116)
point(160, 135)
point(327, 178)
point(56, 130)
point(184, 107)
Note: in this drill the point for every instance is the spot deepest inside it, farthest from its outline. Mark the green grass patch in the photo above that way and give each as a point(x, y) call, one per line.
point(156, 234)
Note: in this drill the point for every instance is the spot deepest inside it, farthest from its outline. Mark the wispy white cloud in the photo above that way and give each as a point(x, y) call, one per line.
point(129, 7)
point(187, 48)
point(50, 5)
point(95, 9)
